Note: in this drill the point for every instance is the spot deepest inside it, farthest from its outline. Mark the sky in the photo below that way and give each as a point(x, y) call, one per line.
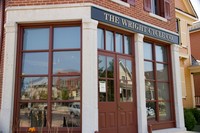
point(196, 5)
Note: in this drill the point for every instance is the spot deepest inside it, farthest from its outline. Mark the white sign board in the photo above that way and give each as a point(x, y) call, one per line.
point(102, 86)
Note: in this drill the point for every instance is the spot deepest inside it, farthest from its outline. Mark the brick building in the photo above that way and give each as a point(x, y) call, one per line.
point(195, 67)
point(107, 66)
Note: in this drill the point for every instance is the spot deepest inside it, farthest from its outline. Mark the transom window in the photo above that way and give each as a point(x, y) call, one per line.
point(157, 83)
point(114, 42)
point(49, 78)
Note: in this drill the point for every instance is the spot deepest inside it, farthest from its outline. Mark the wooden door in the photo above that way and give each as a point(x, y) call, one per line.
point(116, 105)
point(125, 96)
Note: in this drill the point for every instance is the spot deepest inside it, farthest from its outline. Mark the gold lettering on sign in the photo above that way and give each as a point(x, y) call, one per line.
point(111, 18)
point(137, 27)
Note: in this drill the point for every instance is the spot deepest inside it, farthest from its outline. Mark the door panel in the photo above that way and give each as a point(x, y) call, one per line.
point(126, 119)
point(116, 104)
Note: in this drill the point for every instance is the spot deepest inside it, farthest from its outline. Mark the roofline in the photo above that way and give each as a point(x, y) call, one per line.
point(193, 9)
point(187, 14)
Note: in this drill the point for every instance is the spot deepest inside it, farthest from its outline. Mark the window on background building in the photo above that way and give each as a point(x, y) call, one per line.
point(49, 78)
point(158, 7)
point(132, 2)
point(177, 25)
point(158, 85)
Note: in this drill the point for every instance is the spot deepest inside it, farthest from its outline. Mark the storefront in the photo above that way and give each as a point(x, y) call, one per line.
point(85, 68)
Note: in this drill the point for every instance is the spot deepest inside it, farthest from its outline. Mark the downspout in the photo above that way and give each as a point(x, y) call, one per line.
point(2, 28)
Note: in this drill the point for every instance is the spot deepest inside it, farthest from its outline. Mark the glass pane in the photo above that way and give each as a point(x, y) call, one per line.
point(122, 69)
point(102, 66)
point(36, 39)
point(66, 37)
point(119, 43)
point(163, 91)
point(129, 91)
point(33, 115)
point(66, 114)
point(66, 62)
point(162, 72)
point(111, 93)
point(109, 41)
point(161, 54)
point(123, 92)
point(102, 90)
point(35, 63)
point(129, 69)
point(151, 111)
point(148, 51)
point(148, 70)
point(66, 88)
point(150, 90)
point(110, 67)
point(127, 45)
point(100, 38)
point(164, 111)
point(34, 88)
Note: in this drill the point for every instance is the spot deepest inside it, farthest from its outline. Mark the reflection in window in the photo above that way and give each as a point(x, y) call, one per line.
point(35, 63)
point(127, 45)
point(109, 41)
point(119, 43)
point(34, 88)
point(66, 37)
point(66, 62)
point(66, 114)
point(110, 87)
point(151, 111)
point(63, 89)
point(157, 85)
point(163, 91)
point(114, 42)
point(162, 72)
point(36, 39)
point(148, 70)
point(150, 90)
point(147, 51)
point(161, 53)
point(164, 111)
point(33, 114)
point(110, 67)
point(125, 74)
point(102, 66)
point(100, 38)
point(49, 74)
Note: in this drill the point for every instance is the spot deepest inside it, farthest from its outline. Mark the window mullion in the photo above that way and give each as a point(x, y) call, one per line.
point(50, 75)
point(156, 84)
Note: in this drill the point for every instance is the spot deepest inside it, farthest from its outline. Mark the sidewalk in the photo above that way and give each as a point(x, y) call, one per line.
point(188, 132)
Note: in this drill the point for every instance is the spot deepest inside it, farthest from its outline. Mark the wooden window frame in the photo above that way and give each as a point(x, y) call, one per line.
point(161, 124)
point(49, 75)
point(162, 9)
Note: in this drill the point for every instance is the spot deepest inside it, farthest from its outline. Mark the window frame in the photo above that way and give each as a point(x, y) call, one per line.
point(49, 75)
point(162, 10)
point(157, 123)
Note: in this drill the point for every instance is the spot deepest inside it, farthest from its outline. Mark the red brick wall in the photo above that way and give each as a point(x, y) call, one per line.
point(134, 11)
point(195, 44)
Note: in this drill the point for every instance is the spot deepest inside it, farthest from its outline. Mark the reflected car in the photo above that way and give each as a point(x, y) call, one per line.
point(74, 109)
point(150, 111)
